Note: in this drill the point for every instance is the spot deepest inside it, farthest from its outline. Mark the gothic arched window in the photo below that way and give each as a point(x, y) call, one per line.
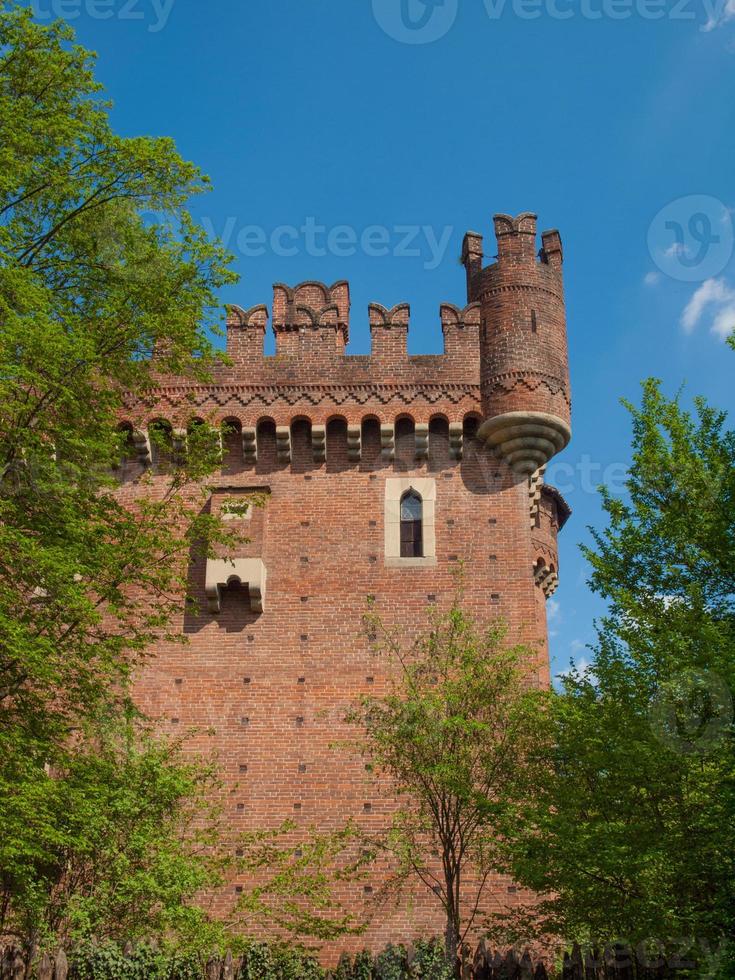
point(412, 525)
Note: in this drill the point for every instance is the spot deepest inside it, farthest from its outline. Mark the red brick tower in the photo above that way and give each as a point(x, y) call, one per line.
point(523, 342)
point(334, 444)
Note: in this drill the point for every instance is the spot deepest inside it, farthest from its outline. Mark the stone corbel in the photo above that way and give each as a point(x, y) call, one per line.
point(143, 447)
point(250, 445)
point(546, 579)
point(388, 442)
point(319, 443)
point(218, 443)
point(354, 443)
point(456, 440)
point(422, 441)
point(179, 446)
point(248, 572)
point(283, 443)
point(535, 485)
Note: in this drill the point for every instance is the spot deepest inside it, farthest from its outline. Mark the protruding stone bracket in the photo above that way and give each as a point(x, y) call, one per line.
point(456, 440)
point(546, 578)
point(388, 442)
point(179, 445)
point(250, 445)
point(248, 572)
point(143, 447)
point(526, 440)
point(354, 443)
point(283, 443)
point(535, 486)
point(218, 443)
point(319, 443)
point(422, 441)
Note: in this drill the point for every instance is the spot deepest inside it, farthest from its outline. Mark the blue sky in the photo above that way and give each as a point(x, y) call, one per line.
point(614, 120)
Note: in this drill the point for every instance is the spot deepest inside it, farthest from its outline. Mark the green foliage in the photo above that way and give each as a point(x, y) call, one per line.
point(291, 887)
point(429, 960)
point(273, 962)
point(457, 735)
point(425, 960)
point(260, 961)
point(108, 961)
point(97, 816)
point(631, 831)
point(391, 963)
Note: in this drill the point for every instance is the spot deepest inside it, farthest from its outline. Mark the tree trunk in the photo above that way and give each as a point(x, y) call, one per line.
point(451, 936)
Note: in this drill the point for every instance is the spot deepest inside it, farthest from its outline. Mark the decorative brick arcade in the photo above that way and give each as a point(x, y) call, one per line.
point(348, 451)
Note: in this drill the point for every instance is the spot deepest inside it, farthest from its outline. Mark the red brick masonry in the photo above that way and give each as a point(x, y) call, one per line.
point(319, 432)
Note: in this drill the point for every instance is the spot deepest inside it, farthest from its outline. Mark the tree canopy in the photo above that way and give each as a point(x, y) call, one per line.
point(105, 284)
point(631, 831)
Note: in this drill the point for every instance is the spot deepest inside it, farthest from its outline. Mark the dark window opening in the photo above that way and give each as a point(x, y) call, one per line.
point(412, 525)
point(534, 324)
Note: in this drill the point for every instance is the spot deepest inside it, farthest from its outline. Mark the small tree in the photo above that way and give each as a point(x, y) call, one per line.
point(458, 734)
point(293, 886)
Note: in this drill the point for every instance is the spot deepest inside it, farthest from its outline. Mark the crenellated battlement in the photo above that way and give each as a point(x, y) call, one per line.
point(506, 350)
point(311, 315)
point(381, 317)
point(311, 326)
point(518, 263)
point(246, 332)
point(461, 329)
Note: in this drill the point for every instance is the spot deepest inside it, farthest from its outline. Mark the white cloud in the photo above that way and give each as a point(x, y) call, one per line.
point(724, 321)
point(652, 278)
point(553, 611)
point(716, 298)
point(724, 12)
point(553, 617)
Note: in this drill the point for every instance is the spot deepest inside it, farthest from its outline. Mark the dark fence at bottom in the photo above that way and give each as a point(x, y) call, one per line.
point(619, 962)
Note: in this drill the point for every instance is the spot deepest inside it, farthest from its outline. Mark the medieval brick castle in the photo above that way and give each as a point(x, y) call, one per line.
point(380, 474)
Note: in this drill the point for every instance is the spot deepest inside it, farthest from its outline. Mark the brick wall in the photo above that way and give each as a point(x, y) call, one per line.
point(275, 686)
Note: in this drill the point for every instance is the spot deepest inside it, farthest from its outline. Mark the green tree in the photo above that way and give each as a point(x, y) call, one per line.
point(634, 832)
point(101, 267)
point(458, 734)
point(109, 845)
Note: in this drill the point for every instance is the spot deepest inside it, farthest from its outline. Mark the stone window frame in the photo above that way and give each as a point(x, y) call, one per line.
point(395, 489)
